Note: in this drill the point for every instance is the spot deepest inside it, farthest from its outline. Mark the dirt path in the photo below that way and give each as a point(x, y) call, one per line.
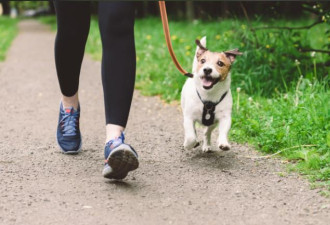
point(39, 185)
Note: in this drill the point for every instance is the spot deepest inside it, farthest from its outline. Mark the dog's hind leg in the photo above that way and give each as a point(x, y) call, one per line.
point(224, 127)
point(207, 138)
point(189, 134)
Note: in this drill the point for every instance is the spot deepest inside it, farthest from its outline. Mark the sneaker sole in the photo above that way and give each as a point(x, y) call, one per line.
point(69, 152)
point(121, 160)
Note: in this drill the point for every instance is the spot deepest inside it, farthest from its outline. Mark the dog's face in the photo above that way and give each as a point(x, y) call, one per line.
point(212, 67)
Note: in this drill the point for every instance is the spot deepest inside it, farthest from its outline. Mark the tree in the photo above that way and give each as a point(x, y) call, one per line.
point(5, 7)
point(190, 13)
point(51, 7)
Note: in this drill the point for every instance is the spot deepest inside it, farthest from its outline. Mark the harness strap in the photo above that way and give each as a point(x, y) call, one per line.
point(208, 109)
point(212, 103)
point(163, 15)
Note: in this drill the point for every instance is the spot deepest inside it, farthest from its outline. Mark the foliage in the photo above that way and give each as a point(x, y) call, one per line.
point(262, 69)
point(24, 5)
point(296, 123)
point(8, 31)
point(50, 20)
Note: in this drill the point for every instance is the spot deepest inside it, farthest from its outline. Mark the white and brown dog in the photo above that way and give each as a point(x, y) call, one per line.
point(206, 98)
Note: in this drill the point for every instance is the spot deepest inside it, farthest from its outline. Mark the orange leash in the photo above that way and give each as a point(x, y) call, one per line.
point(163, 15)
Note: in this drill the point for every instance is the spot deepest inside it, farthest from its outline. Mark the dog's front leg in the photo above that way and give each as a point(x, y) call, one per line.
point(189, 134)
point(224, 126)
point(207, 138)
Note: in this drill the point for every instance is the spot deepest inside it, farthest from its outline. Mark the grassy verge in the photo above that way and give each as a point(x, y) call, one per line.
point(294, 124)
point(264, 68)
point(283, 105)
point(8, 31)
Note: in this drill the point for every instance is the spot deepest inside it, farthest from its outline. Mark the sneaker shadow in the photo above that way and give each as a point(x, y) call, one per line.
point(128, 187)
point(120, 184)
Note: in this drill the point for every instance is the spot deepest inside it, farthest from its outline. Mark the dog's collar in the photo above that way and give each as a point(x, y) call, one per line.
point(209, 102)
point(208, 109)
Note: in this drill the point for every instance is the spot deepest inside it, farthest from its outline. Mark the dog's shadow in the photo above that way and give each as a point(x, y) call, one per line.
point(222, 160)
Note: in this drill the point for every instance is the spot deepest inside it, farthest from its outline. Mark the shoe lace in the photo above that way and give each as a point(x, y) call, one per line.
point(69, 124)
point(120, 139)
point(110, 145)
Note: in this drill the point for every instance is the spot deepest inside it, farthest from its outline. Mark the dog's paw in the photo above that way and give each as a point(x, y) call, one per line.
point(206, 148)
point(224, 146)
point(190, 143)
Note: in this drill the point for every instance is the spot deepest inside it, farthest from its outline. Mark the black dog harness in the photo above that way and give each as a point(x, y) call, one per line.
point(208, 110)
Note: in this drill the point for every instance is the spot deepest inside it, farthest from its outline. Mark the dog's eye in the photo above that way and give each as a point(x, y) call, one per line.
point(220, 63)
point(203, 61)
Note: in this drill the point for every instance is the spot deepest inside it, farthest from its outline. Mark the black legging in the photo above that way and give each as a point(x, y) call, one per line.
point(116, 22)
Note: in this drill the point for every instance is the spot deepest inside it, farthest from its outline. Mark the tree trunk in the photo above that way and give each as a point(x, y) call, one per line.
point(190, 13)
point(5, 7)
point(145, 9)
point(224, 9)
point(51, 7)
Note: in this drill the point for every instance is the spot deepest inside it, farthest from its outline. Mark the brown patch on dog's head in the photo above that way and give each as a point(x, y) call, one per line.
point(212, 67)
point(219, 61)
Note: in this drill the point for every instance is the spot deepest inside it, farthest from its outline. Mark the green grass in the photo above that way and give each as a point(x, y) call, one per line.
point(282, 106)
point(50, 20)
point(261, 70)
point(295, 123)
point(8, 31)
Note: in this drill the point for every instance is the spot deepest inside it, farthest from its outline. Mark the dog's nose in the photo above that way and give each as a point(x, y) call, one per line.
point(207, 71)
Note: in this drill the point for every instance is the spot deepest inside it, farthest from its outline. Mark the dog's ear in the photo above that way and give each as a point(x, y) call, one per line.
point(231, 54)
point(201, 46)
point(200, 49)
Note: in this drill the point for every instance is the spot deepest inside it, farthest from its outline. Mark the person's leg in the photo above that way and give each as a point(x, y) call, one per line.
point(73, 22)
point(116, 20)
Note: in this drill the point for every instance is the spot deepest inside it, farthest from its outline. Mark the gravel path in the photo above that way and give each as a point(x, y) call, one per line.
point(39, 185)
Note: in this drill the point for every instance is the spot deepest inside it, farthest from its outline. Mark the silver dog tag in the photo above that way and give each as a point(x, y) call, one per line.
point(207, 116)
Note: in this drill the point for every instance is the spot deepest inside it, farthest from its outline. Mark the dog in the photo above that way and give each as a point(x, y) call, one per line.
point(206, 98)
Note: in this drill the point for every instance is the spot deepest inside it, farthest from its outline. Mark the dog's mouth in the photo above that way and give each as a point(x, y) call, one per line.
point(208, 82)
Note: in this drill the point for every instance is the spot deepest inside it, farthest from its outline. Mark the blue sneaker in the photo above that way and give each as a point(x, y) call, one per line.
point(120, 158)
point(68, 133)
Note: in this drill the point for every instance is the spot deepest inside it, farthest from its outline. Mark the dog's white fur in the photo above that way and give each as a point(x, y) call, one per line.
point(192, 107)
